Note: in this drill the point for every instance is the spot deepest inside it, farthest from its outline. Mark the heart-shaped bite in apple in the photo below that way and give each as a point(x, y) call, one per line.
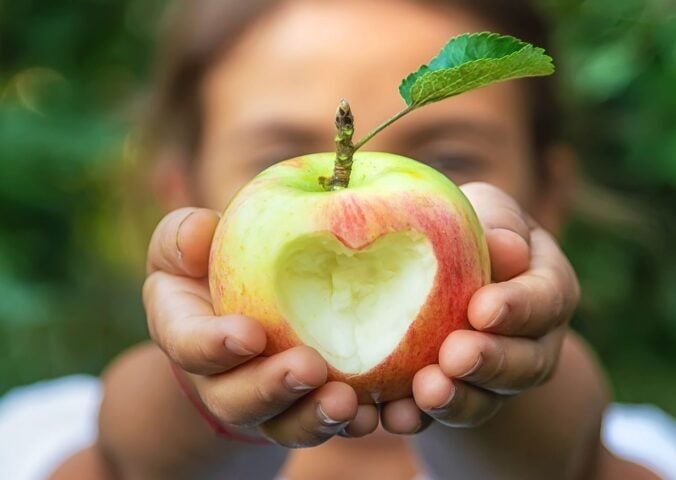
point(354, 306)
point(374, 276)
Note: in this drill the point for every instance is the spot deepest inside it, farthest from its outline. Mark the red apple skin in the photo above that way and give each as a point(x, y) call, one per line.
point(357, 218)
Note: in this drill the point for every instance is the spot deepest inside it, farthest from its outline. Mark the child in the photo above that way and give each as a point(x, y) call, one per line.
point(246, 84)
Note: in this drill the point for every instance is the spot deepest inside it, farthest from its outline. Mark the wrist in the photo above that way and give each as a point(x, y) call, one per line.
point(232, 433)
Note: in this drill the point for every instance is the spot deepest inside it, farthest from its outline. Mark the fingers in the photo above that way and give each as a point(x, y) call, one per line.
point(314, 419)
point(509, 253)
point(535, 296)
point(182, 323)
point(506, 227)
point(364, 422)
point(504, 365)
point(532, 303)
point(263, 387)
point(453, 403)
point(403, 417)
point(181, 242)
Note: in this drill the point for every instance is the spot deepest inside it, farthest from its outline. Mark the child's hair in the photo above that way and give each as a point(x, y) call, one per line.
point(199, 31)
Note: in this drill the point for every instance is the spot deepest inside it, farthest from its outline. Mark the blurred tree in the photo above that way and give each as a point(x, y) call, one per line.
point(619, 76)
point(71, 261)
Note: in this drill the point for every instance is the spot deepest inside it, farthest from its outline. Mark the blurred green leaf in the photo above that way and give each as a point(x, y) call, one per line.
point(472, 61)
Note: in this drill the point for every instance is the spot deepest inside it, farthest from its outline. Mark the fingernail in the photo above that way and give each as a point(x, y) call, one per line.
point(446, 403)
point(498, 317)
point(418, 427)
point(328, 424)
point(237, 348)
point(295, 385)
point(179, 253)
point(477, 365)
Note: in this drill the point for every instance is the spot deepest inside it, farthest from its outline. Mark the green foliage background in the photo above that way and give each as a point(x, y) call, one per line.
point(71, 259)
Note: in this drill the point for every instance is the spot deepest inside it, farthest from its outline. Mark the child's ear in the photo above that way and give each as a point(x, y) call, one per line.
point(171, 183)
point(556, 196)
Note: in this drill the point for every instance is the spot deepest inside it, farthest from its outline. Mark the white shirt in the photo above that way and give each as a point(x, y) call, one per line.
point(44, 423)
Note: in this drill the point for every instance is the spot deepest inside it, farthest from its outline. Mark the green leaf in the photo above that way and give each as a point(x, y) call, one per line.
point(471, 61)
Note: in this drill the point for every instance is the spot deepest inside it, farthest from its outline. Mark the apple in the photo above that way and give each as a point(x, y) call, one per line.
point(373, 276)
point(374, 266)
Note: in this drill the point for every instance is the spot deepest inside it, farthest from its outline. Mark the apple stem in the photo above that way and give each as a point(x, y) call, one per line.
point(344, 149)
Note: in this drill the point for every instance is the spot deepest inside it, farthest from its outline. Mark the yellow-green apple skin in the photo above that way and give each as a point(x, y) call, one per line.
point(332, 269)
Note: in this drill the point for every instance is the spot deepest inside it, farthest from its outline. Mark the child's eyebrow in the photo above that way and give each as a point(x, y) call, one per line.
point(288, 131)
point(428, 130)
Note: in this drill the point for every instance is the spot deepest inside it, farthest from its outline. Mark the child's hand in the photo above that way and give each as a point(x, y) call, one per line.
point(520, 323)
point(285, 396)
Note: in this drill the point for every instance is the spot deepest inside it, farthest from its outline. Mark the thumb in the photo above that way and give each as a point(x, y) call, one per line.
point(181, 242)
point(506, 227)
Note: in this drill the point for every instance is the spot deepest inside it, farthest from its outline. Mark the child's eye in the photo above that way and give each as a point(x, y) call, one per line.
point(453, 162)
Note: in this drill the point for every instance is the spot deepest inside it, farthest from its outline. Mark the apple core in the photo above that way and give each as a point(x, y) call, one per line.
point(354, 306)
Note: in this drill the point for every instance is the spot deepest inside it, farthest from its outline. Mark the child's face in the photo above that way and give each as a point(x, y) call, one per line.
point(274, 96)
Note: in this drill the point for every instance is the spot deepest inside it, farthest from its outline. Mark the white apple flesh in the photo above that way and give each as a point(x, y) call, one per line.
point(373, 276)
